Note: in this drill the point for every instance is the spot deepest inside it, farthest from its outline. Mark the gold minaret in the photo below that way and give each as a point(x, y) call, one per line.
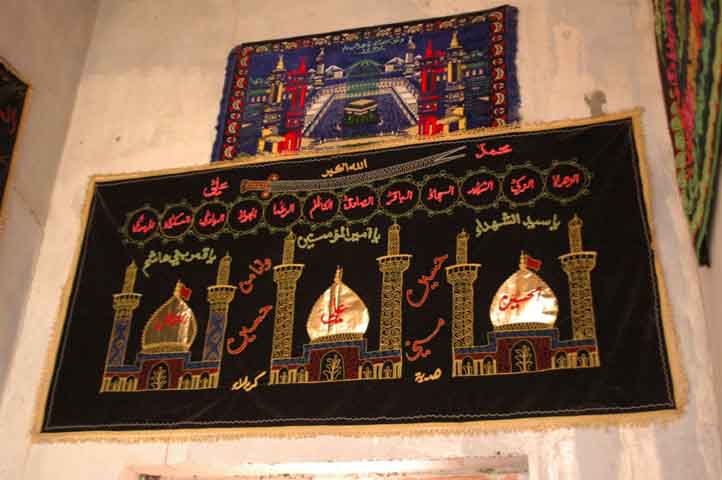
point(286, 277)
point(220, 296)
point(129, 280)
point(288, 248)
point(393, 242)
point(392, 266)
point(124, 304)
point(224, 270)
point(462, 277)
point(462, 247)
point(578, 265)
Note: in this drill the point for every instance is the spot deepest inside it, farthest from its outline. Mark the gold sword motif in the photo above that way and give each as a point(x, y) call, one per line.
point(274, 185)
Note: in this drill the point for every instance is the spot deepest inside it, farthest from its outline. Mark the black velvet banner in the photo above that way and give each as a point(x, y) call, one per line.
point(473, 278)
point(12, 100)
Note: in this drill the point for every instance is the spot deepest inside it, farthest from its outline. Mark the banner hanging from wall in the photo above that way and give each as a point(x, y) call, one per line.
point(368, 85)
point(483, 281)
point(13, 92)
point(689, 47)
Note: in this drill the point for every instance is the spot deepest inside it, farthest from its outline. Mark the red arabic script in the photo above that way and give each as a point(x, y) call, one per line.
point(483, 152)
point(211, 220)
point(216, 188)
point(245, 216)
point(438, 195)
point(180, 218)
point(512, 303)
point(350, 203)
point(257, 268)
point(280, 209)
point(395, 196)
point(320, 204)
point(521, 184)
point(138, 226)
point(170, 320)
point(427, 282)
point(567, 181)
point(246, 332)
point(481, 187)
point(335, 316)
point(416, 345)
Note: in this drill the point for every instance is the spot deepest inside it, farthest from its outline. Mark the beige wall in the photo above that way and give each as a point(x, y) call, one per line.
point(711, 280)
point(46, 42)
point(148, 99)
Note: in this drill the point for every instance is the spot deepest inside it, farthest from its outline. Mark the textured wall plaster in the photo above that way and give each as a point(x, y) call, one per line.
point(46, 42)
point(148, 100)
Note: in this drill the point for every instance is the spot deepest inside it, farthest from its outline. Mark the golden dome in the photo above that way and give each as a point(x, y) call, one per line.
point(524, 301)
point(172, 327)
point(338, 314)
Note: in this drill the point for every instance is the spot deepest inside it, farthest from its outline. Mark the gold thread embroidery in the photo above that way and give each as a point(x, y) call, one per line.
point(207, 255)
point(392, 267)
point(509, 219)
point(371, 234)
point(525, 303)
point(421, 377)
point(337, 324)
point(524, 298)
point(167, 337)
point(338, 311)
point(578, 265)
point(286, 277)
point(345, 167)
point(172, 327)
point(124, 304)
point(584, 417)
point(245, 384)
point(462, 277)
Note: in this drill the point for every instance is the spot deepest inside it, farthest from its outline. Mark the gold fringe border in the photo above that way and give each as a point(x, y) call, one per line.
point(679, 381)
point(18, 137)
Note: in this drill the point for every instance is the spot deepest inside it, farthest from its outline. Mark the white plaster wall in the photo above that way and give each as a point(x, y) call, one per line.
point(711, 280)
point(46, 42)
point(149, 99)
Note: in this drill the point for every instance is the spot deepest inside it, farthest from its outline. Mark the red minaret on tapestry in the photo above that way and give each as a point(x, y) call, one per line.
point(296, 87)
point(429, 113)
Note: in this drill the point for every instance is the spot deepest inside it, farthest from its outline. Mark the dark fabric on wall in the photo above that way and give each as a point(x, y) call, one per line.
point(12, 100)
point(553, 359)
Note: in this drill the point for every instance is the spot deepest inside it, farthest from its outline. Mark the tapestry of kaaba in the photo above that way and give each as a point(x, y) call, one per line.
point(475, 281)
point(13, 92)
point(332, 90)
